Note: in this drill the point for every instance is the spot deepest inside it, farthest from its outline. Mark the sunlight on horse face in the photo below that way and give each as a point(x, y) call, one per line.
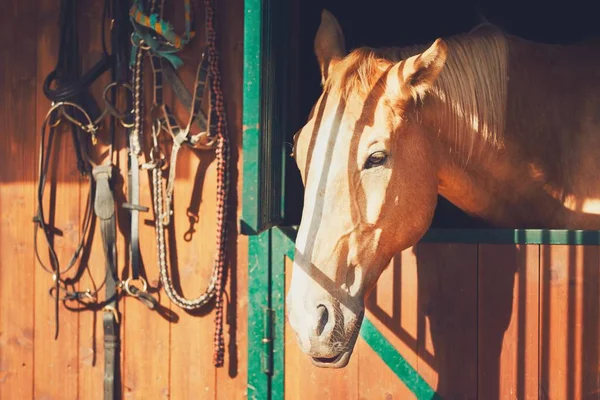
point(370, 189)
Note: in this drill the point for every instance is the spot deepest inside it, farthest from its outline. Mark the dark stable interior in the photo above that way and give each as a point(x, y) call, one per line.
point(405, 22)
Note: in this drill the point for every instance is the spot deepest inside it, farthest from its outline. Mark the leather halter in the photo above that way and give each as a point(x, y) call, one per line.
point(215, 137)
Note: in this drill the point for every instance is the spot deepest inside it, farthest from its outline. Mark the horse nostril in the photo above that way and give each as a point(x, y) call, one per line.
point(323, 318)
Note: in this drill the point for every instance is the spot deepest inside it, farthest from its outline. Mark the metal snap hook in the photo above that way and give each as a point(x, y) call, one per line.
point(204, 141)
point(140, 42)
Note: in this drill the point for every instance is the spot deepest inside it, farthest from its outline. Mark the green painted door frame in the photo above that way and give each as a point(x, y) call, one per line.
point(263, 120)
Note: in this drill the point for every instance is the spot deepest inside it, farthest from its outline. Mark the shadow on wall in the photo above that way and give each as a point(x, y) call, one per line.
point(500, 321)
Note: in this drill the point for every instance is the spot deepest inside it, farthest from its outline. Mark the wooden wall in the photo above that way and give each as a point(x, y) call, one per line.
point(159, 358)
point(476, 322)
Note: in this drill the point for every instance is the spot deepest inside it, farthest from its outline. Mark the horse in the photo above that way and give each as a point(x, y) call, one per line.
point(504, 128)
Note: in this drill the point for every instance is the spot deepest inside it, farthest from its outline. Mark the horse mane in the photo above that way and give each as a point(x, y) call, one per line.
point(471, 90)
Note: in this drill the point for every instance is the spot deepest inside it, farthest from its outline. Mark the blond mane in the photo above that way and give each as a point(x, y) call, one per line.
point(470, 92)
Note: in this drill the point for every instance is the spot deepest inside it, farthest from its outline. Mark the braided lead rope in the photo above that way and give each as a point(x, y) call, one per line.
point(162, 206)
point(159, 213)
point(222, 153)
point(138, 104)
point(219, 129)
point(138, 95)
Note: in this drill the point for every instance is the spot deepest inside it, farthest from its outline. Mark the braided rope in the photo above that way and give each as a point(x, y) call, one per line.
point(162, 203)
point(218, 129)
point(222, 153)
point(138, 104)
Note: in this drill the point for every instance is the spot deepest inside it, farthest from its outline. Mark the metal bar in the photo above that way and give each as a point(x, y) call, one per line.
point(513, 236)
point(497, 236)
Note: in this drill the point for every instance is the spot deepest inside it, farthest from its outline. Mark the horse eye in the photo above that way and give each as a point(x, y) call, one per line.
point(375, 159)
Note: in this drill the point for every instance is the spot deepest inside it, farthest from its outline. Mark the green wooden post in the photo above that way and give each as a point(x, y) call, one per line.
point(251, 115)
point(259, 260)
point(264, 119)
point(259, 244)
point(282, 247)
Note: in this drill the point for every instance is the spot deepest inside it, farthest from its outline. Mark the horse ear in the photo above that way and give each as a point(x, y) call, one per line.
point(417, 74)
point(329, 44)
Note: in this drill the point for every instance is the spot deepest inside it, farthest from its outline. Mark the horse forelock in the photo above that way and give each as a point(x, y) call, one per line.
point(358, 73)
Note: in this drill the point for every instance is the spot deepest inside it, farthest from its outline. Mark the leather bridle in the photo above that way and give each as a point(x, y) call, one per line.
point(67, 89)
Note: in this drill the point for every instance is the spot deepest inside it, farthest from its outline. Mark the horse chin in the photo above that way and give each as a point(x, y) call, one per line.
point(342, 359)
point(339, 361)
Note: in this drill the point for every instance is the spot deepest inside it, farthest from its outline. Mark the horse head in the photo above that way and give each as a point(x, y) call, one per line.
point(370, 183)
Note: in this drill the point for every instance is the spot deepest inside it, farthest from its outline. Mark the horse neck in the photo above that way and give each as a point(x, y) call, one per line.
point(465, 111)
point(468, 102)
point(513, 162)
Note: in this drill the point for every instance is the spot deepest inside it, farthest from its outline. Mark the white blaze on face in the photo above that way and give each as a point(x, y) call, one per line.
point(326, 220)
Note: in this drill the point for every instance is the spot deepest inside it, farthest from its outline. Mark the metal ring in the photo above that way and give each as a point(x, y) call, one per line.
point(89, 128)
point(126, 125)
point(140, 43)
point(58, 120)
point(128, 283)
point(110, 107)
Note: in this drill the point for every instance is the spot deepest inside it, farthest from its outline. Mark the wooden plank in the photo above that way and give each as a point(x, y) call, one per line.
point(447, 326)
point(590, 328)
point(56, 360)
point(508, 321)
point(17, 193)
point(392, 308)
point(194, 269)
point(568, 366)
point(305, 381)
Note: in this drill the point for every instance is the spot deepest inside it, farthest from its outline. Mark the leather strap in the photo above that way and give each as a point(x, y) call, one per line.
point(104, 207)
point(59, 291)
point(133, 174)
point(75, 88)
point(134, 144)
point(134, 207)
